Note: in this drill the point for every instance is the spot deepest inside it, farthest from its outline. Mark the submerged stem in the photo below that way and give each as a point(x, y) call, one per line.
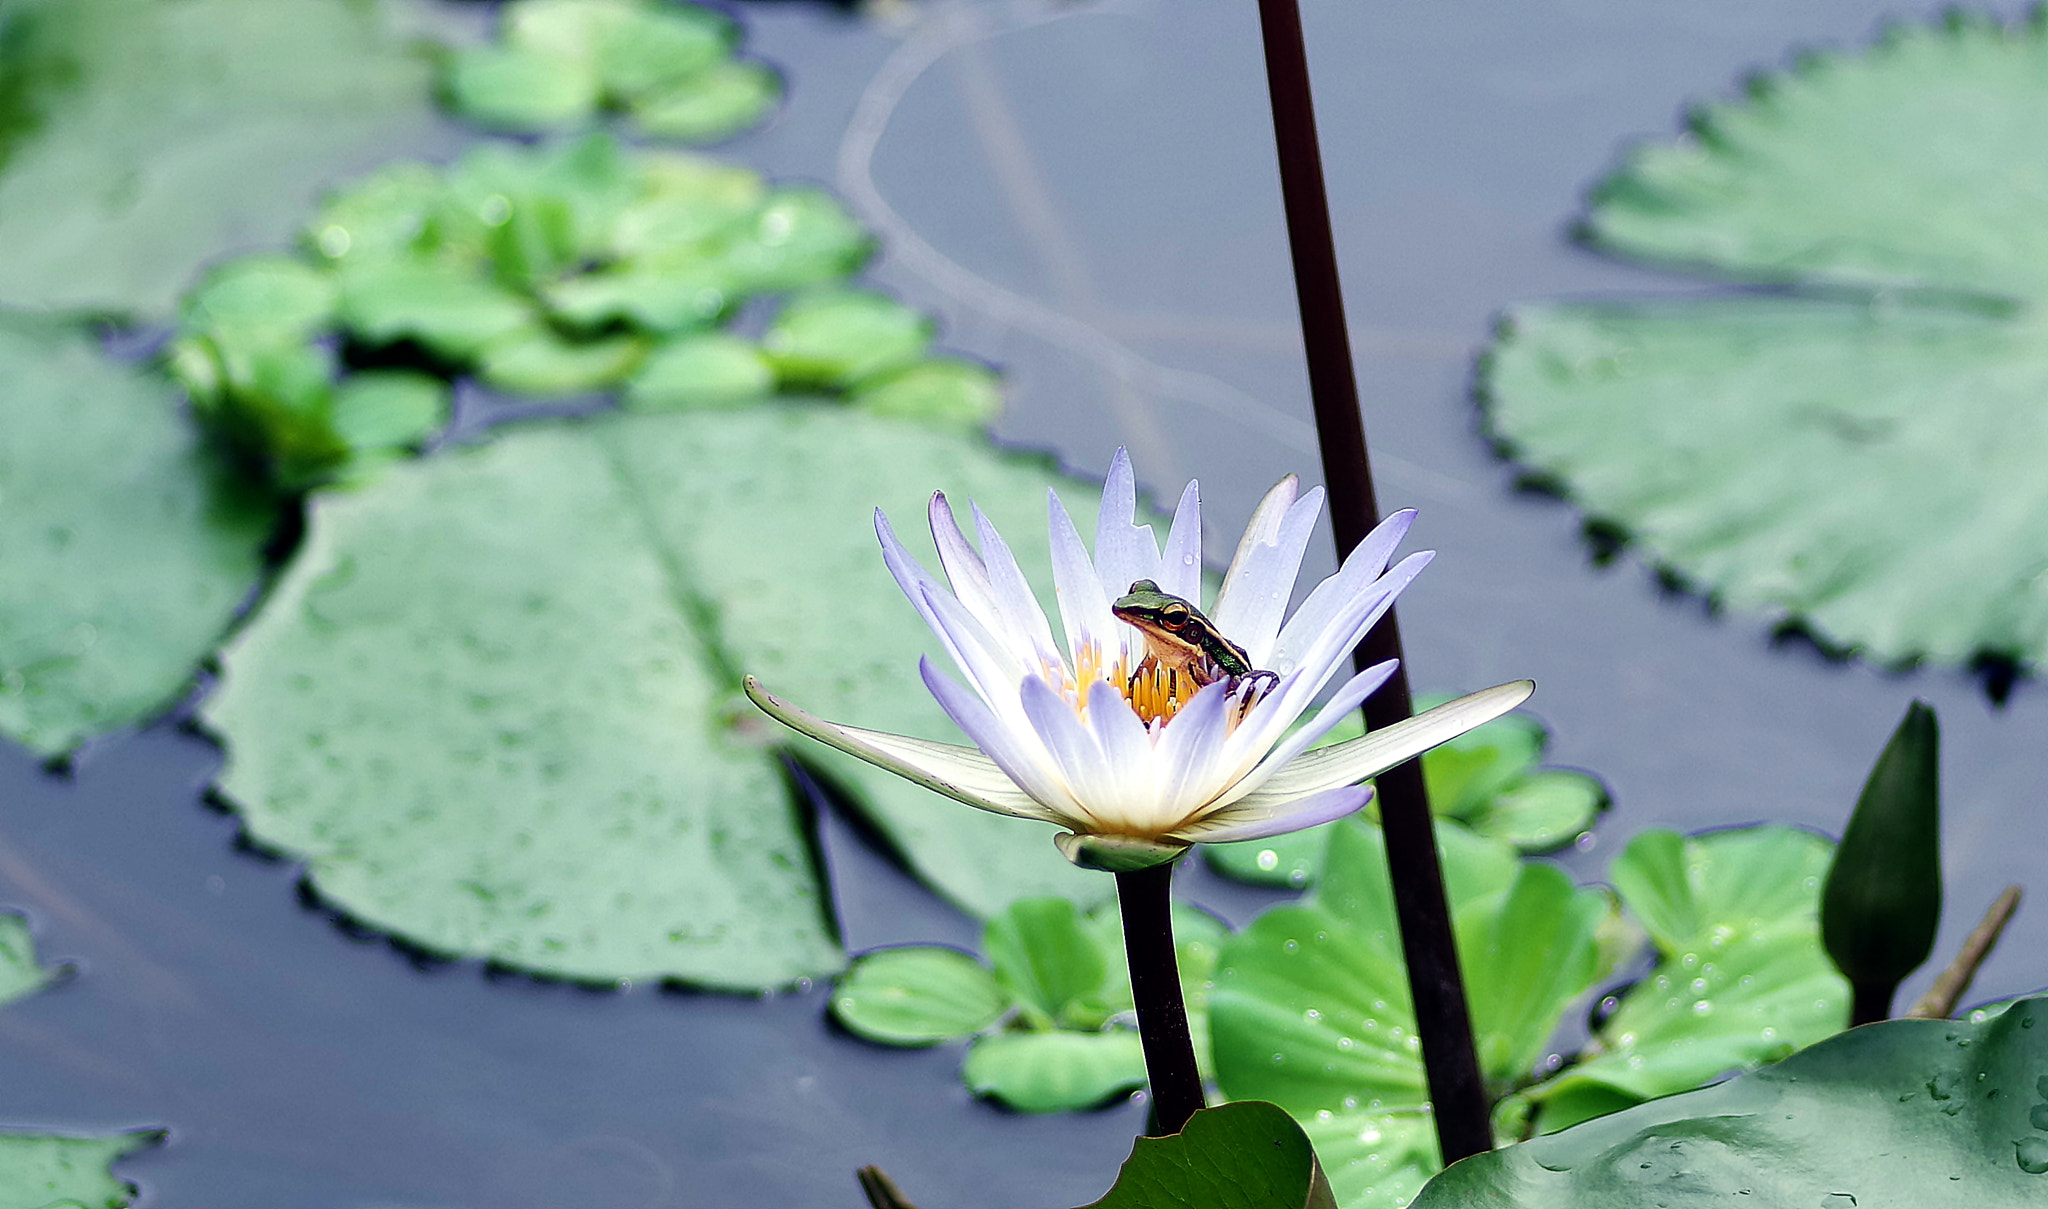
point(1443, 1021)
point(1146, 898)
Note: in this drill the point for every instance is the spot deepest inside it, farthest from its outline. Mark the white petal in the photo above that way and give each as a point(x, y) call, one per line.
point(1180, 567)
point(1016, 751)
point(1128, 748)
point(1263, 529)
point(1323, 653)
point(1347, 699)
point(1188, 754)
point(1084, 610)
point(1074, 750)
point(960, 773)
point(1124, 551)
point(1354, 761)
point(1330, 596)
point(964, 568)
point(1245, 821)
point(1261, 580)
point(1014, 597)
point(987, 662)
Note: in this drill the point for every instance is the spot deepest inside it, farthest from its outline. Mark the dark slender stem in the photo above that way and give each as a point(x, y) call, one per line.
point(1146, 898)
point(1444, 1023)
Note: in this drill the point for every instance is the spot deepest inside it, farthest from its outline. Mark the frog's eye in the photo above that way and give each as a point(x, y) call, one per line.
point(1173, 616)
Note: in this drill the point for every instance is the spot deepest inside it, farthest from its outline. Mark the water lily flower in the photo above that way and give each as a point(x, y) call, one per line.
point(1135, 762)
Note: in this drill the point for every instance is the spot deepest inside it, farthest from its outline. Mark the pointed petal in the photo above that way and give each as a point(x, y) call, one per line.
point(1074, 751)
point(1263, 764)
point(1124, 550)
point(1263, 529)
point(1132, 795)
point(1360, 569)
point(1084, 609)
point(1015, 750)
point(1189, 752)
point(1254, 597)
point(1247, 821)
point(1013, 593)
point(1180, 567)
point(1354, 761)
point(988, 664)
point(960, 773)
point(964, 569)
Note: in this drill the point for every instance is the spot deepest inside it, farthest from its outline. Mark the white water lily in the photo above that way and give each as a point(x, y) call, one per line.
point(1093, 737)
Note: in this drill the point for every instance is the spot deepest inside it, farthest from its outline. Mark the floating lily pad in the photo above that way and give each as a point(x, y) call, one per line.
point(1487, 779)
point(1741, 978)
point(1905, 1112)
point(39, 1171)
point(1824, 456)
point(514, 732)
point(126, 550)
point(1055, 1071)
point(558, 63)
point(20, 974)
point(148, 137)
point(1311, 1010)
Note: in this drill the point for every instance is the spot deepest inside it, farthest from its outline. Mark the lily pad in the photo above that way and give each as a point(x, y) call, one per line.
point(948, 392)
point(716, 104)
point(148, 137)
point(1905, 1112)
point(125, 552)
point(833, 338)
point(1741, 978)
point(20, 974)
point(918, 995)
point(1311, 1011)
point(38, 1171)
point(1824, 455)
point(1234, 1156)
point(1055, 1071)
point(513, 732)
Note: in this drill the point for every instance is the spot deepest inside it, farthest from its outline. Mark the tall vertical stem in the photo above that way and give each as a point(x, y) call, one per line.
point(1146, 898)
point(1444, 1023)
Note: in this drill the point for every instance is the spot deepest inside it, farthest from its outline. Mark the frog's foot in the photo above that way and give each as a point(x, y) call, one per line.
point(1250, 689)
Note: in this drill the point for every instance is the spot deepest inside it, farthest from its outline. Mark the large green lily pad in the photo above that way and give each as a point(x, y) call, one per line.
point(1904, 1113)
point(493, 700)
point(1856, 456)
point(1741, 977)
point(1311, 1010)
point(124, 552)
point(139, 139)
point(45, 1171)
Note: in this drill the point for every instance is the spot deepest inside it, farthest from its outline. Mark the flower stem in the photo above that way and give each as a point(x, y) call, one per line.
point(1146, 899)
point(1457, 1090)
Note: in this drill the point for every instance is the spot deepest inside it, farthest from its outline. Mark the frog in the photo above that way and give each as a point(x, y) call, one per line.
point(1183, 642)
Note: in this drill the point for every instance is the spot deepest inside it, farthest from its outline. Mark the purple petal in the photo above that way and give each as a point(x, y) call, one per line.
point(1180, 568)
point(1230, 825)
point(1020, 756)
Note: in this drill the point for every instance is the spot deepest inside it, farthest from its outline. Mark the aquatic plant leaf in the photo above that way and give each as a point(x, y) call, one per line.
point(833, 338)
point(715, 104)
point(515, 732)
point(389, 409)
point(1741, 978)
point(1905, 1112)
point(477, 707)
point(1234, 1156)
point(39, 1170)
point(20, 974)
point(947, 392)
point(517, 88)
point(447, 310)
point(1824, 456)
point(799, 237)
point(795, 571)
point(1310, 1008)
point(143, 138)
point(261, 298)
point(1485, 779)
point(1044, 957)
point(1801, 458)
point(125, 550)
point(711, 369)
point(1384, 1157)
point(1197, 944)
point(1902, 167)
point(537, 361)
point(1058, 1071)
point(917, 995)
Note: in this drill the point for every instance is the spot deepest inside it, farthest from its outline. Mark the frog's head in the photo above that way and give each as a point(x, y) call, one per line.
point(1161, 615)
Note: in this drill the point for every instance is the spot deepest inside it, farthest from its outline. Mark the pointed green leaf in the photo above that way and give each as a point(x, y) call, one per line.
point(125, 549)
point(917, 995)
point(1906, 1112)
point(1055, 1072)
point(1881, 905)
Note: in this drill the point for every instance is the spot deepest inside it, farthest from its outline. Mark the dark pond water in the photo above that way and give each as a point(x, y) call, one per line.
point(1086, 193)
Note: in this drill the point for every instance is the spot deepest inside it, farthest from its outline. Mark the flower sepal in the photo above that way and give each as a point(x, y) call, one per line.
point(1116, 853)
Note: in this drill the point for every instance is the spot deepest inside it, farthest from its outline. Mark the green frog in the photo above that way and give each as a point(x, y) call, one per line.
point(1183, 642)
